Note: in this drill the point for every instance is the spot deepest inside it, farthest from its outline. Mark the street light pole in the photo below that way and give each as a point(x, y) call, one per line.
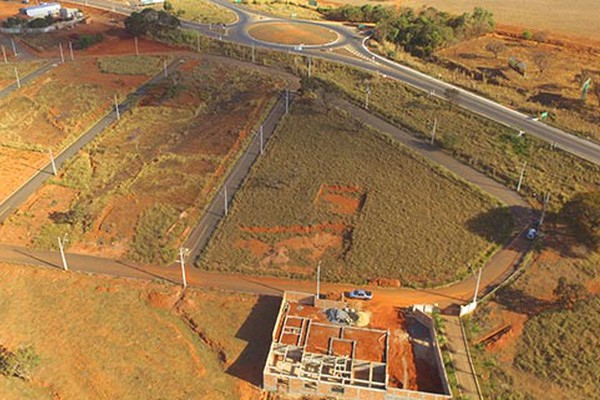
point(183, 253)
point(61, 246)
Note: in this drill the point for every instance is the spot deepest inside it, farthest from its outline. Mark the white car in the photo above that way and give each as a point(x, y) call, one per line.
point(531, 234)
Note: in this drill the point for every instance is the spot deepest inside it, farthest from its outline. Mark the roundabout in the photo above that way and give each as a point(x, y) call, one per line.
point(292, 34)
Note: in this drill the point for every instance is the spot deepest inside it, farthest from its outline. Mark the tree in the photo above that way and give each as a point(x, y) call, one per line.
point(151, 22)
point(19, 364)
point(542, 60)
point(569, 294)
point(168, 6)
point(495, 48)
point(582, 214)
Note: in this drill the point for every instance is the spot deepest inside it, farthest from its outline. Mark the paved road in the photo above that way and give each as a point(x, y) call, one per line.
point(209, 222)
point(12, 202)
point(349, 38)
point(26, 79)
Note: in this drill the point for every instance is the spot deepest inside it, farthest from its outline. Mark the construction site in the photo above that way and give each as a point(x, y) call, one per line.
point(328, 348)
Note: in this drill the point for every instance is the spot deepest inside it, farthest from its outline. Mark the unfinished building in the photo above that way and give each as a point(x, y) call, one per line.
point(312, 356)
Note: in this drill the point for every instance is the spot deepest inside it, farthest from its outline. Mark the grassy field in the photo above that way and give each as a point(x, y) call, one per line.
point(481, 143)
point(106, 338)
point(54, 109)
point(292, 34)
point(137, 190)
point(337, 192)
point(204, 11)
point(549, 352)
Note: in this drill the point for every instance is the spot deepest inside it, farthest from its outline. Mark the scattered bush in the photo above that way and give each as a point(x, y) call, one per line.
point(84, 41)
point(582, 213)
point(527, 35)
point(19, 364)
point(152, 242)
point(151, 22)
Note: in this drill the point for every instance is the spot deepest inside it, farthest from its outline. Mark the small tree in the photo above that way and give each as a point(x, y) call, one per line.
point(19, 364)
point(568, 294)
point(582, 213)
point(527, 35)
point(542, 61)
point(495, 48)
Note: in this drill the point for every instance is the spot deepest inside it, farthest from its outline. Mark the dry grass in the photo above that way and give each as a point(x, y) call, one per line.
point(167, 154)
point(292, 34)
point(131, 65)
point(105, 338)
point(418, 233)
point(204, 11)
point(486, 145)
point(286, 9)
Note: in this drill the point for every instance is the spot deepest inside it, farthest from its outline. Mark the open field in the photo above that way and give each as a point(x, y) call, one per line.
point(109, 338)
point(53, 110)
point(487, 146)
point(138, 189)
point(204, 11)
point(543, 350)
point(340, 193)
point(292, 34)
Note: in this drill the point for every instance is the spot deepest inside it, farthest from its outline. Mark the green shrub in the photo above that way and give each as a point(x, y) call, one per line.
point(152, 242)
point(19, 364)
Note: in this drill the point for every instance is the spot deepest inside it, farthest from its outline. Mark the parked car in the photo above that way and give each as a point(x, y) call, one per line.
point(532, 234)
point(360, 294)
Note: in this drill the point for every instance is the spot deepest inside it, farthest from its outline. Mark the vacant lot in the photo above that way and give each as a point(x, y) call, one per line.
point(286, 9)
point(292, 34)
point(137, 190)
point(541, 349)
point(487, 146)
point(331, 190)
point(203, 11)
point(53, 110)
point(107, 338)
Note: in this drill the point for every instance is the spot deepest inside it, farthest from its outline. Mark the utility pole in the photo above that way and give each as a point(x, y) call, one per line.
point(52, 162)
point(71, 51)
point(226, 210)
point(4, 55)
point(521, 176)
point(477, 285)
point(253, 57)
point(61, 246)
point(367, 93)
point(165, 68)
point(117, 108)
point(62, 56)
point(18, 80)
point(261, 138)
point(14, 47)
point(137, 49)
point(318, 278)
point(544, 208)
point(433, 131)
point(309, 66)
point(183, 253)
point(287, 100)
point(198, 42)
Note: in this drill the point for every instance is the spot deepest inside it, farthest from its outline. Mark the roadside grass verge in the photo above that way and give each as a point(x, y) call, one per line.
point(203, 11)
point(330, 189)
